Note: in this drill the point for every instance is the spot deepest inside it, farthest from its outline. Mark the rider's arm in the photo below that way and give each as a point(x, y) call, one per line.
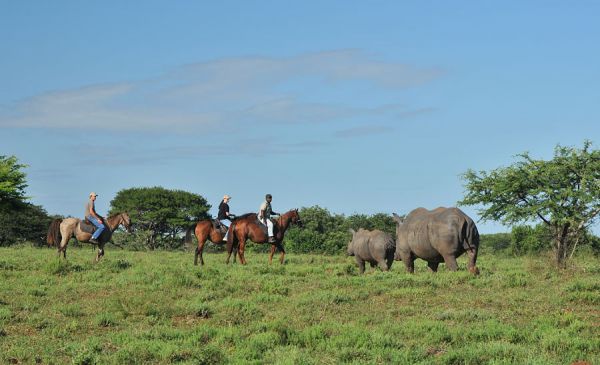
point(262, 216)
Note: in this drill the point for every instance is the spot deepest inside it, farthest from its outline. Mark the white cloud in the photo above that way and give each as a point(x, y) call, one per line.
point(224, 95)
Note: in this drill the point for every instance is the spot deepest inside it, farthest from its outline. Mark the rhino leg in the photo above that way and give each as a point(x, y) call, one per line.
point(389, 259)
point(433, 266)
point(472, 259)
point(409, 261)
point(450, 261)
point(361, 264)
point(372, 263)
point(383, 265)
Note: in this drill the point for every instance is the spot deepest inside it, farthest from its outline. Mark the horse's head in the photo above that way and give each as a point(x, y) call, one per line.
point(126, 222)
point(295, 217)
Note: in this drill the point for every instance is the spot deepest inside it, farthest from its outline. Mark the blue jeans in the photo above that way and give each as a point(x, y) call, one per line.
point(99, 226)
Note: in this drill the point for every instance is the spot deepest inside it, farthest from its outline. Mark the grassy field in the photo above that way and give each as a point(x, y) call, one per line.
point(156, 307)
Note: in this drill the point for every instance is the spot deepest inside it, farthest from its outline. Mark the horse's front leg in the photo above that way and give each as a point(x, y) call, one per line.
point(282, 253)
point(241, 248)
point(273, 247)
point(100, 253)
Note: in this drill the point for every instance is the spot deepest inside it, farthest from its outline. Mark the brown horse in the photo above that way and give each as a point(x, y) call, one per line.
point(61, 231)
point(248, 227)
point(205, 230)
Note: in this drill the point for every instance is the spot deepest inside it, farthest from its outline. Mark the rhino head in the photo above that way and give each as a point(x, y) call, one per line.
point(350, 250)
point(399, 220)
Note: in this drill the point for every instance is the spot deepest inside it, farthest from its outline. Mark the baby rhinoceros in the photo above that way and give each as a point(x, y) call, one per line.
point(375, 247)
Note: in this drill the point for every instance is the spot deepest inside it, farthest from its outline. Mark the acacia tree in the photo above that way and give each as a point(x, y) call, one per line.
point(20, 220)
point(12, 179)
point(161, 213)
point(563, 193)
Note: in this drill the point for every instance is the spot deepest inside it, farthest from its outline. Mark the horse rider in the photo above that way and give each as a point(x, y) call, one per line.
point(264, 216)
point(94, 218)
point(224, 214)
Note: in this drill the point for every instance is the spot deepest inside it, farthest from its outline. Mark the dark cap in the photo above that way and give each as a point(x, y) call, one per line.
point(268, 196)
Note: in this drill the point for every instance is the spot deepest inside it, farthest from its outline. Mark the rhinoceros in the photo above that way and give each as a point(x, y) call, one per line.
point(375, 247)
point(439, 235)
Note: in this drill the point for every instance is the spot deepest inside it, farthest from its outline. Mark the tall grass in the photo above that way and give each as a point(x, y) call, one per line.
point(156, 307)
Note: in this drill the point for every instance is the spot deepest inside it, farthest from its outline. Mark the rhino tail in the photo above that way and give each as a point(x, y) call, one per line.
point(471, 239)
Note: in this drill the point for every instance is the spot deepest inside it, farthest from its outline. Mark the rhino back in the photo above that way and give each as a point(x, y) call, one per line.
point(414, 230)
point(360, 244)
point(381, 241)
point(441, 231)
point(431, 234)
point(372, 245)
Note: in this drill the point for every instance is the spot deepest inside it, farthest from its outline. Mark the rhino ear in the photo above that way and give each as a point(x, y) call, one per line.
point(397, 218)
point(352, 231)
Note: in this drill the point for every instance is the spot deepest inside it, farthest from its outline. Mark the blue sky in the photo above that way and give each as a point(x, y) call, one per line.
point(358, 107)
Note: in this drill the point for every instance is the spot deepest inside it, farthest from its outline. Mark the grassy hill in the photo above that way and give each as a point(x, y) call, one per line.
point(156, 307)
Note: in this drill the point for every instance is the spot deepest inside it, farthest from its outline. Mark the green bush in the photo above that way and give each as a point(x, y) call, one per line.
point(528, 240)
point(324, 232)
point(496, 242)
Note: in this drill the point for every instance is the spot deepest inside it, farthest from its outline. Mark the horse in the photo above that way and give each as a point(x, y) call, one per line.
point(248, 227)
point(61, 231)
point(205, 230)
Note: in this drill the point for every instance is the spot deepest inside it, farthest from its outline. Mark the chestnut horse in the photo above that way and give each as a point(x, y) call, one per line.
point(248, 227)
point(205, 230)
point(61, 231)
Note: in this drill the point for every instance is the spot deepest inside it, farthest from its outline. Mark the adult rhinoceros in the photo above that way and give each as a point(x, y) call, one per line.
point(439, 235)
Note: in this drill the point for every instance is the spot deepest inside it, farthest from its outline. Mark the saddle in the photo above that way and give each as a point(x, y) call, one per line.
point(86, 226)
point(265, 228)
point(219, 226)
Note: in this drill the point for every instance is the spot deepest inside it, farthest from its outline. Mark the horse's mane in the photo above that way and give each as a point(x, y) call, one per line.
point(113, 215)
point(244, 216)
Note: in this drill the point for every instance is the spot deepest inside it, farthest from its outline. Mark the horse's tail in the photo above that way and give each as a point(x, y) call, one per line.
point(188, 235)
point(53, 237)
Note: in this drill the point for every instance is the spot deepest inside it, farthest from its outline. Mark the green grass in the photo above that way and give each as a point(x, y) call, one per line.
point(156, 307)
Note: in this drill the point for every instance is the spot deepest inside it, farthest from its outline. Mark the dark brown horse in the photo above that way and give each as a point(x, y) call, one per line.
point(205, 230)
point(61, 231)
point(248, 227)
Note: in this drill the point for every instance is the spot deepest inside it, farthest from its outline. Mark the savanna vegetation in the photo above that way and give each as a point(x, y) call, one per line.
point(562, 193)
point(155, 307)
point(159, 215)
point(147, 303)
point(20, 220)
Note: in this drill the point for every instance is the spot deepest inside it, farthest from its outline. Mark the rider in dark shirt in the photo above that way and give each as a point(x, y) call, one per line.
point(224, 209)
point(224, 213)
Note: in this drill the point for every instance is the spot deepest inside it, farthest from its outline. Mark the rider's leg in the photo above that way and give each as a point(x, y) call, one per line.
point(99, 227)
point(226, 232)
